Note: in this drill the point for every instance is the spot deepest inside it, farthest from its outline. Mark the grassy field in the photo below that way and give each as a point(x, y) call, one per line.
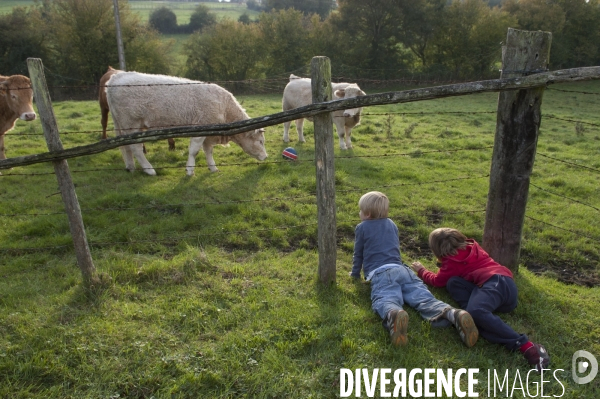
point(6, 6)
point(183, 10)
point(210, 286)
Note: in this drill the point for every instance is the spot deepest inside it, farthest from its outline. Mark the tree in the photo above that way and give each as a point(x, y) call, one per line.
point(285, 36)
point(536, 15)
point(201, 18)
point(163, 20)
point(574, 27)
point(253, 5)
point(469, 40)
point(21, 37)
point(579, 42)
point(82, 40)
point(320, 7)
point(370, 29)
point(228, 50)
point(421, 20)
point(244, 18)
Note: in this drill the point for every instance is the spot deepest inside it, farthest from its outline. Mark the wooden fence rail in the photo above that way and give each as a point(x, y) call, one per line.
point(519, 116)
point(430, 93)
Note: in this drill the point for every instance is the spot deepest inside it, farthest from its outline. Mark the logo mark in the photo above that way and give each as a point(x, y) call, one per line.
point(580, 366)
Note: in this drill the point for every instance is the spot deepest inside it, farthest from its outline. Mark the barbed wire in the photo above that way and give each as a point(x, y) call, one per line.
point(568, 162)
point(418, 183)
point(178, 239)
point(184, 204)
point(572, 91)
point(170, 239)
point(413, 80)
point(249, 163)
point(428, 113)
point(564, 196)
point(221, 232)
point(571, 120)
point(362, 114)
point(217, 233)
point(188, 83)
point(170, 126)
point(562, 228)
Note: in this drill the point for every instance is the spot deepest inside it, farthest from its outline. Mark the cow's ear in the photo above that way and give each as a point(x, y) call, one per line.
point(340, 93)
point(3, 89)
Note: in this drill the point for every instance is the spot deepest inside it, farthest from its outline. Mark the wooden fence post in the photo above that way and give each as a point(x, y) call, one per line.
point(120, 48)
point(517, 129)
point(324, 162)
point(61, 168)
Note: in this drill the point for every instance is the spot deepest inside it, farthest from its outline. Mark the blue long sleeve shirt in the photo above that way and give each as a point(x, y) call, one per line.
point(376, 244)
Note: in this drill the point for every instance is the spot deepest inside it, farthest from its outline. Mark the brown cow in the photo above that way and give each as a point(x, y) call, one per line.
point(16, 102)
point(104, 109)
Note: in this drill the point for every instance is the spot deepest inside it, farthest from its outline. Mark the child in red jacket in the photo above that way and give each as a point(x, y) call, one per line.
point(481, 286)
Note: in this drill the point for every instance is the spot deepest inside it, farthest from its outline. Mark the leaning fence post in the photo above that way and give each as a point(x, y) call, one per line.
point(61, 168)
point(517, 129)
point(324, 163)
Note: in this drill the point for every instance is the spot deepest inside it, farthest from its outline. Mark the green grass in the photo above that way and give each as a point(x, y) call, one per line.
point(210, 286)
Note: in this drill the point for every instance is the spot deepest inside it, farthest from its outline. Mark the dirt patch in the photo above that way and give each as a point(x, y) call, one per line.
point(567, 274)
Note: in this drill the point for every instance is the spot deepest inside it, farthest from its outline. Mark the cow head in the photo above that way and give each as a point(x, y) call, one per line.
point(253, 143)
point(350, 91)
point(17, 92)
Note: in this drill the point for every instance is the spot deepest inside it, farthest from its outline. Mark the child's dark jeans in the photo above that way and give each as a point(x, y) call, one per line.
point(498, 294)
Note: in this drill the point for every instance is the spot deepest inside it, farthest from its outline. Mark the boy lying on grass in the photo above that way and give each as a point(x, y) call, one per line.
point(377, 253)
point(481, 286)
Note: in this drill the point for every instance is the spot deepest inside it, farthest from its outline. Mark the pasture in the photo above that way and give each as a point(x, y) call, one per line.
point(210, 287)
point(183, 10)
point(6, 6)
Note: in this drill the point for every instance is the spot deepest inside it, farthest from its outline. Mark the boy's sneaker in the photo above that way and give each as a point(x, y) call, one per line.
point(466, 327)
point(537, 356)
point(397, 324)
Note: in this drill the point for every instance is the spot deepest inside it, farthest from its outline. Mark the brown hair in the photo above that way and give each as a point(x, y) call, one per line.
point(374, 204)
point(446, 241)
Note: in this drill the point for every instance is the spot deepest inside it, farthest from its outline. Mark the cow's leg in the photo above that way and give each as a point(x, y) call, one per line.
point(138, 152)
point(104, 122)
point(300, 129)
point(126, 152)
point(286, 131)
point(348, 140)
point(341, 129)
point(128, 158)
point(195, 146)
point(171, 144)
point(208, 152)
point(2, 154)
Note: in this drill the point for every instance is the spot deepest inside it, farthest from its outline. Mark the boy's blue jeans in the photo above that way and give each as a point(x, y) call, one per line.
point(395, 286)
point(498, 294)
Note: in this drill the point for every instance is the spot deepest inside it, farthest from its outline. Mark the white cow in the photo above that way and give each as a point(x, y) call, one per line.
point(140, 101)
point(298, 93)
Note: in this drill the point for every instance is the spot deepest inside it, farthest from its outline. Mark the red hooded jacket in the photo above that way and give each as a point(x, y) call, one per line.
point(471, 263)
